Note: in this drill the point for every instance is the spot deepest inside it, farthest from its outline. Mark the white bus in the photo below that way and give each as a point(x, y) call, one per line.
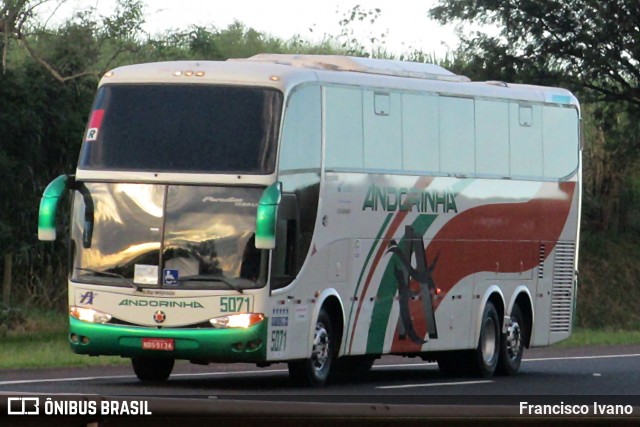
point(321, 211)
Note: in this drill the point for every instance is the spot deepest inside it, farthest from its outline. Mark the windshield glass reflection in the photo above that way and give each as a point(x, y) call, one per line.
point(192, 237)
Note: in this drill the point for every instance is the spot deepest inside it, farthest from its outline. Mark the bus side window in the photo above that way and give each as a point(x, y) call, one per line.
point(284, 262)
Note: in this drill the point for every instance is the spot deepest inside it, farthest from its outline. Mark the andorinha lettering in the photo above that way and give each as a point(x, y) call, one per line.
point(156, 303)
point(391, 199)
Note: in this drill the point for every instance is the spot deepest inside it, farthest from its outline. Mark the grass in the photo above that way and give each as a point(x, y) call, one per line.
point(41, 342)
point(589, 337)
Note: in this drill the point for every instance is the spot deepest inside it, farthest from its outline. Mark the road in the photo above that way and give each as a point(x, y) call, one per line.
point(583, 375)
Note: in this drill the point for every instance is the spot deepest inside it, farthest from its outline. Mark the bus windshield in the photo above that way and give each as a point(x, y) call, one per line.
point(172, 236)
point(183, 128)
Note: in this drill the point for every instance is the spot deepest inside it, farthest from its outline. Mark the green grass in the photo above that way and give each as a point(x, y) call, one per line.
point(589, 337)
point(41, 342)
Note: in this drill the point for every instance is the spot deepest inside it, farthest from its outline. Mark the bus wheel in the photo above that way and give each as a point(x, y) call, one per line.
point(512, 344)
point(315, 370)
point(151, 369)
point(487, 354)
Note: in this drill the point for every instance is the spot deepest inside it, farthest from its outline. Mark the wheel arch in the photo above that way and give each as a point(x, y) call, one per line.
point(330, 301)
point(494, 295)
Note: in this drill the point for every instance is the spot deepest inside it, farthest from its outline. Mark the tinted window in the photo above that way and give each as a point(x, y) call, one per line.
point(382, 118)
point(343, 128)
point(492, 137)
point(457, 135)
point(183, 128)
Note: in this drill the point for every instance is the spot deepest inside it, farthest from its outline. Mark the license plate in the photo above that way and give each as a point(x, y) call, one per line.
point(162, 344)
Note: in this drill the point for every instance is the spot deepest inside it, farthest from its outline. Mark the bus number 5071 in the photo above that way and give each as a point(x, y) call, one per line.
point(234, 304)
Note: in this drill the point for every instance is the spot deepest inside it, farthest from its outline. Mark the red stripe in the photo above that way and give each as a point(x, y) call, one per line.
point(501, 238)
point(96, 119)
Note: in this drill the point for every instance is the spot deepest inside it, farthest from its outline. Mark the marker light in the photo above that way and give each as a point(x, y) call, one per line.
point(88, 314)
point(242, 320)
point(109, 74)
point(199, 73)
point(177, 73)
point(188, 73)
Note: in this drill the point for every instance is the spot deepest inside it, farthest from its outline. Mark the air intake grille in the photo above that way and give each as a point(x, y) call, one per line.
point(562, 293)
point(542, 254)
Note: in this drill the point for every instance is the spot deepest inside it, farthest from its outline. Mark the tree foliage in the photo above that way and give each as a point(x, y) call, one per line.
point(591, 44)
point(93, 42)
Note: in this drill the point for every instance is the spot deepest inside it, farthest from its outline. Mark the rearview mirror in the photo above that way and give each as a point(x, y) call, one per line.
point(267, 216)
point(49, 206)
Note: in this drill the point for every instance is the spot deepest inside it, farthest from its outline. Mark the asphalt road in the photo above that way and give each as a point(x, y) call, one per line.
point(395, 386)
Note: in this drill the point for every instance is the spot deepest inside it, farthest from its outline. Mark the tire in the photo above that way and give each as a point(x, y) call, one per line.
point(512, 344)
point(485, 360)
point(314, 371)
point(151, 369)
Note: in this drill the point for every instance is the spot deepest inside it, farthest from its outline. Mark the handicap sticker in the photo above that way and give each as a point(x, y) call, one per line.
point(170, 277)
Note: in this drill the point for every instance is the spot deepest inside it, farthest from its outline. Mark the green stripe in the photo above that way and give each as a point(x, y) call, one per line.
point(366, 263)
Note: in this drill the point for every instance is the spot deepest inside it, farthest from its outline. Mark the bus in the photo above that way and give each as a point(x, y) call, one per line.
point(320, 211)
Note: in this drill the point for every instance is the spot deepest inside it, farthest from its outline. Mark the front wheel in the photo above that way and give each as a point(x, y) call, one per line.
point(314, 371)
point(485, 360)
point(150, 369)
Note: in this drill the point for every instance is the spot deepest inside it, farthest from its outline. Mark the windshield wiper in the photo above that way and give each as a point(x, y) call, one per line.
point(109, 274)
point(211, 279)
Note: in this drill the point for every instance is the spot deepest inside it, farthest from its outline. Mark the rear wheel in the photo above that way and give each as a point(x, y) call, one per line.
point(512, 344)
point(314, 371)
point(485, 360)
point(150, 369)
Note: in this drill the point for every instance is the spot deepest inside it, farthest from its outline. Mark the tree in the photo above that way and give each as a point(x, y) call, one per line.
point(95, 42)
point(590, 44)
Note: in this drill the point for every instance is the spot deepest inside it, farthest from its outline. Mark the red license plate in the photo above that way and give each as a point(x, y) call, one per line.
point(162, 344)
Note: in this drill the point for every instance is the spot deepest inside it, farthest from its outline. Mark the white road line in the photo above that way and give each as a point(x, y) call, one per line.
point(270, 371)
point(607, 356)
point(117, 377)
point(387, 387)
point(405, 365)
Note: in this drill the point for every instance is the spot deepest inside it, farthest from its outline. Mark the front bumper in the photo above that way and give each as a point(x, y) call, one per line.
point(210, 345)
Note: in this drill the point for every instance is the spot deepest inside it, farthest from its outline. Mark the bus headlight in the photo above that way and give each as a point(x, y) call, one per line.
point(89, 315)
point(242, 320)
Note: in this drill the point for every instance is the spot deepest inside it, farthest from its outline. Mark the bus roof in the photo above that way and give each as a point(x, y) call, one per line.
point(285, 71)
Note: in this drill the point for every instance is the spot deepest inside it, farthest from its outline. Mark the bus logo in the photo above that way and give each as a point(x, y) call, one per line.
point(23, 406)
point(159, 316)
point(87, 297)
